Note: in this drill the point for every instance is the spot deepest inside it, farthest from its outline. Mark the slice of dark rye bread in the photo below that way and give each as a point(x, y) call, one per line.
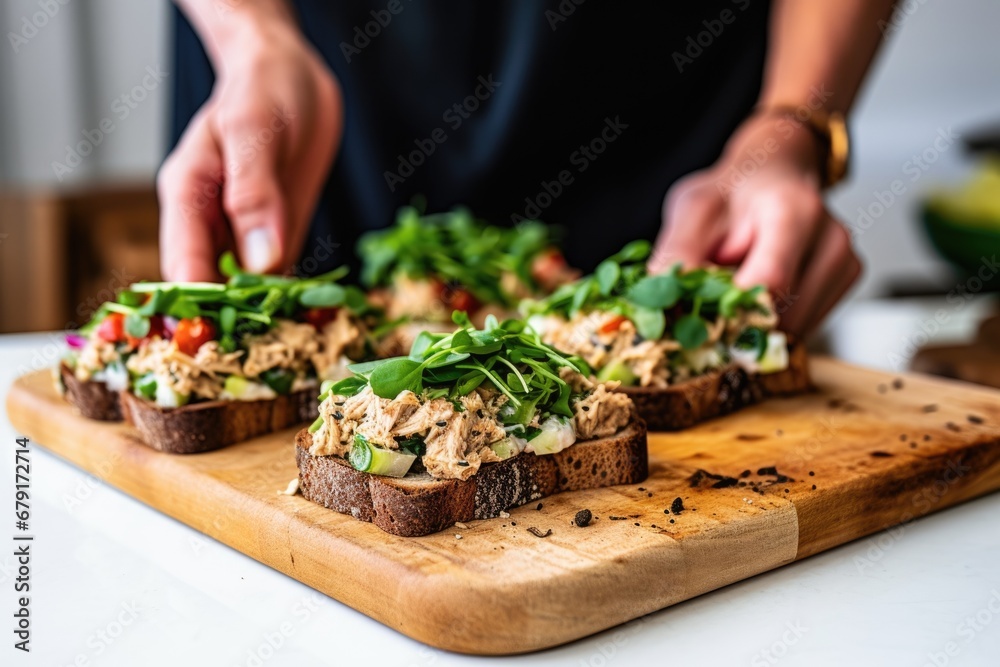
point(718, 393)
point(202, 427)
point(419, 504)
point(93, 399)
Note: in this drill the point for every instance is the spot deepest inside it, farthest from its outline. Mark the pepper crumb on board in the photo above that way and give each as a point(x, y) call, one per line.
point(745, 474)
point(812, 473)
point(975, 419)
point(883, 388)
point(814, 487)
point(931, 407)
point(671, 521)
point(927, 437)
point(539, 506)
point(902, 437)
point(897, 383)
point(677, 506)
point(913, 445)
point(952, 426)
point(513, 523)
point(538, 533)
point(649, 494)
point(583, 518)
point(617, 518)
point(881, 454)
point(641, 488)
point(637, 523)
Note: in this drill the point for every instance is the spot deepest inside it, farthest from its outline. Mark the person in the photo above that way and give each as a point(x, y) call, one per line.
point(299, 125)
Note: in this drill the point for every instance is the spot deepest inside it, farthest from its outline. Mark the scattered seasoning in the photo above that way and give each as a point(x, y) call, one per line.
point(812, 473)
point(913, 445)
point(671, 521)
point(649, 494)
point(653, 525)
point(441, 423)
point(677, 506)
point(538, 533)
point(749, 437)
point(881, 454)
point(897, 383)
point(902, 437)
point(927, 437)
point(882, 388)
point(539, 506)
point(952, 426)
point(743, 483)
point(637, 523)
point(722, 481)
point(338, 415)
point(772, 471)
point(745, 474)
point(814, 487)
point(583, 518)
point(513, 523)
point(975, 419)
point(585, 408)
point(931, 407)
point(617, 518)
point(642, 488)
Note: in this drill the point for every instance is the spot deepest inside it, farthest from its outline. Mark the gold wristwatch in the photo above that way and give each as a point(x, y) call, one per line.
point(830, 128)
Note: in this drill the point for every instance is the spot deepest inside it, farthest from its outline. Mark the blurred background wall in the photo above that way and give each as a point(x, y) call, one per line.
point(939, 72)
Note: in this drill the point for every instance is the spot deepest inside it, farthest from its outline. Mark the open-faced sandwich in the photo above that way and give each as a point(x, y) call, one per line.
point(685, 345)
point(424, 267)
point(470, 424)
point(195, 366)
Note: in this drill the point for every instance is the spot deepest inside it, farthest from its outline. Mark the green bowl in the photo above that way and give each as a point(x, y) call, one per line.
point(965, 244)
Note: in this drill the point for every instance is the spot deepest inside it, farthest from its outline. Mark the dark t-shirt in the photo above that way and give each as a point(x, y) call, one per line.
point(581, 115)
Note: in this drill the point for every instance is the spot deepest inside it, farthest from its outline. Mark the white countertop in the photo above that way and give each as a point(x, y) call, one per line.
point(117, 583)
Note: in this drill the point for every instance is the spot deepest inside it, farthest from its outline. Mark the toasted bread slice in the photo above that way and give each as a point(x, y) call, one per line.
point(201, 427)
point(93, 399)
point(419, 504)
point(717, 393)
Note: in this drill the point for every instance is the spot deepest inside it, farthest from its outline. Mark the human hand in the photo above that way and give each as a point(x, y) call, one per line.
point(249, 169)
point(760, 208)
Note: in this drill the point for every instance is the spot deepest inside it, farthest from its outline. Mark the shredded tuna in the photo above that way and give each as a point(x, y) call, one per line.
point(602, 413)
point(95, 356)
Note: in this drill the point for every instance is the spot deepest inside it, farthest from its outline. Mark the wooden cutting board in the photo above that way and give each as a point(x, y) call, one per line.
point(780, 482)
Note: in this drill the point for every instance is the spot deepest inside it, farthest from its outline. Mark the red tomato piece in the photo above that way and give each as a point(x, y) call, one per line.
point(193, 333)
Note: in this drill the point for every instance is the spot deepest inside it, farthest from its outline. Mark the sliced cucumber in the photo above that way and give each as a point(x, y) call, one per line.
point(509, 447)
point(557, 433)
point(116, 376)
point(316, 425)
point(168, 398)
point(776, 355)
point(377, 461)
point(240, 388)
point(704, 358)
point(278, 379)
point(185, 288)
point(618, 371)
point(145, 386)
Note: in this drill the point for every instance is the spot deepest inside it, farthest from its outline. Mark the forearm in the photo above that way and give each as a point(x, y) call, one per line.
point(224, 25)
point(821, 49)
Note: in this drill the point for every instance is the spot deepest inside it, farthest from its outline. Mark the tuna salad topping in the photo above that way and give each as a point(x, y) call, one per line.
point(463, 399)
point(253, 337)
point(657, 330)
point(426, 266)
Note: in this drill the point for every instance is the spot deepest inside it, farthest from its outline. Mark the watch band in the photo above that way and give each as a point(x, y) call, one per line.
point(830, 128)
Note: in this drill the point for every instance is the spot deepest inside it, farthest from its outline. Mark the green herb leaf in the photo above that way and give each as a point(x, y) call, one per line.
point(691, 332)
point(396, 375)
point(650, 323)
point(327, 295)
point(607, 275)
point(753, 339)
point(136, 325)
point(660, 291)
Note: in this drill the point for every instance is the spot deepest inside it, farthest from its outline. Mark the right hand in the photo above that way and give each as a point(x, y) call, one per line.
point(251, 164)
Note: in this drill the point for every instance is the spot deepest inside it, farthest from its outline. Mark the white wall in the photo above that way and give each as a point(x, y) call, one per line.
point(940, 69)
point(79, 57)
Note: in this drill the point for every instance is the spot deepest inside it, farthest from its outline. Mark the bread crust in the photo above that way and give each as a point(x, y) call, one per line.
point(717, 393)
point(93, 399)
point(202, 427)
point(419, 504)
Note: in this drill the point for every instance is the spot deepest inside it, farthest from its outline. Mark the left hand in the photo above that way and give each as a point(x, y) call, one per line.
point(760, 207)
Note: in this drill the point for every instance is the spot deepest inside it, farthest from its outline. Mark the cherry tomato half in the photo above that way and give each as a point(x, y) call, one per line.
point(456, 297)
point(612, 325)
point(319, 317)
point(193, 333)
point(112, 328)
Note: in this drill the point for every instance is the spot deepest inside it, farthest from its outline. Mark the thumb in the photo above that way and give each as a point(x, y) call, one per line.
point(253, 199)
point(691, 230)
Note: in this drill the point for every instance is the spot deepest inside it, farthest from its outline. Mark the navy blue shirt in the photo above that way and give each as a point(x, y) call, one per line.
point(581, 115)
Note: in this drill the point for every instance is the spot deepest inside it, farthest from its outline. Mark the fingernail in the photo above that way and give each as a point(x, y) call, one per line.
point(260, 252)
